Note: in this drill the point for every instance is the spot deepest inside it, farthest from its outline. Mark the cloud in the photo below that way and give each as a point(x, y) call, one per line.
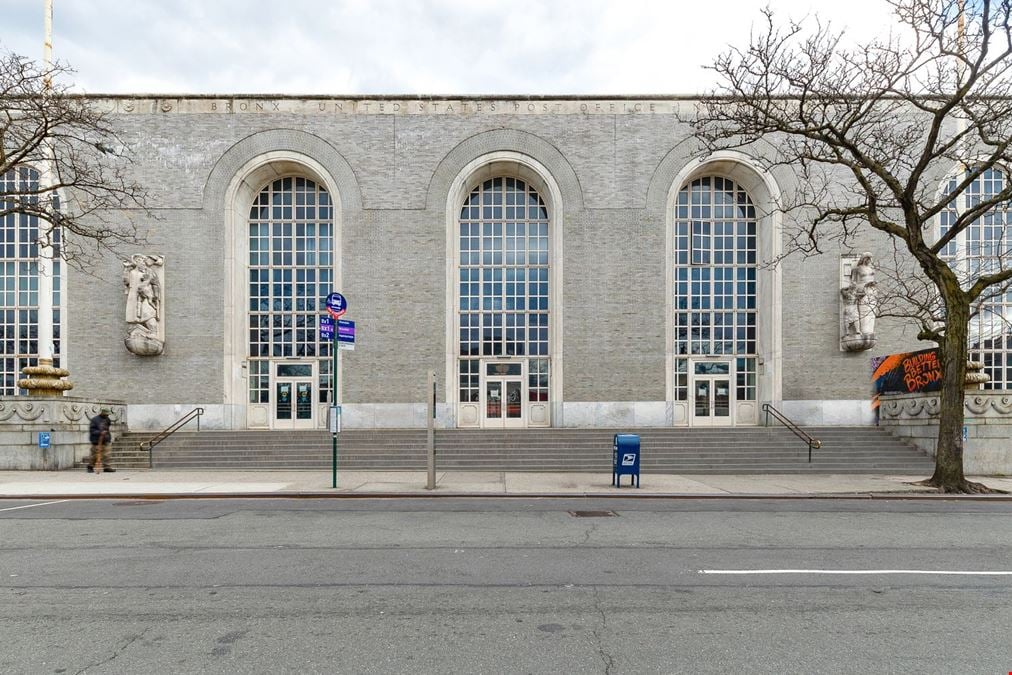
point(402, 46)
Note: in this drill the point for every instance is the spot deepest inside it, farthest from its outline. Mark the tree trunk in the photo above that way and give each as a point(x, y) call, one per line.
point(949, 448)
point(948, 476)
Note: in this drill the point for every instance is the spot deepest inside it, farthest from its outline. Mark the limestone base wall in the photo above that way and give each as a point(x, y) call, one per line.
point(66, 419)
point(987, 430)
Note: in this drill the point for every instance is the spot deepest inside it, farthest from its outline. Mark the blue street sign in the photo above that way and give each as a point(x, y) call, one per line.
point(326, 328)
point(345, 330)
point(336, 305)
point(45, 439)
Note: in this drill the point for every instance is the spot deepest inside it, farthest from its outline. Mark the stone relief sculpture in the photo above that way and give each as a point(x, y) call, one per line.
point(143, 279)
point(859, 305)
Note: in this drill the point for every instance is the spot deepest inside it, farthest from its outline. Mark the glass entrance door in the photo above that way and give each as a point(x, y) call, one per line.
point(712, 395)
point(293, 395)
point(503, 396)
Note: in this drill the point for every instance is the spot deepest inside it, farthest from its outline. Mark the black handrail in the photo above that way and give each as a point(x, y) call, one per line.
point(173, 428)
point(812, 442)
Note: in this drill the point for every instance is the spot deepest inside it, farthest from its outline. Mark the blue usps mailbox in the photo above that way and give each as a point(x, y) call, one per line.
point(625, 460)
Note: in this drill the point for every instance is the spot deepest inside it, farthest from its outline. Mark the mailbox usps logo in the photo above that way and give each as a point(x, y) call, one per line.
point(628, 458)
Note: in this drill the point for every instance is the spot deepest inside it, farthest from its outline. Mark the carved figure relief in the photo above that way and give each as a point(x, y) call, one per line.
point(143, 279)
point(859, 303)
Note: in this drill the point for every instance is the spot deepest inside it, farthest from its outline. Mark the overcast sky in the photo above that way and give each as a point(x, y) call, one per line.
point(403, 46)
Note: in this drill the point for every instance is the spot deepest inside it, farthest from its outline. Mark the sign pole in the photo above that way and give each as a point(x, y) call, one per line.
point(336, 307)
point(333, 430)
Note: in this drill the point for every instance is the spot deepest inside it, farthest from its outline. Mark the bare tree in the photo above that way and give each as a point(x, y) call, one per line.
point(908, 135)
point(63, 163)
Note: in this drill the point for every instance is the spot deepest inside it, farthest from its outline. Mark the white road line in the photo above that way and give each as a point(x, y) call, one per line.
point(28, 506)
point(982, 573)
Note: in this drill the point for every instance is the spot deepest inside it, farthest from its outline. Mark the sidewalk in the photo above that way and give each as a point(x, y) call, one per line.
point(128, 483)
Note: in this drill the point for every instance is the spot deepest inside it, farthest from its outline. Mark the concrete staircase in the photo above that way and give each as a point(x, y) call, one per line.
point(743, 450)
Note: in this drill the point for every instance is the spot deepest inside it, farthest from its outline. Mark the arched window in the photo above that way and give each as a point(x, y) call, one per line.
point(984, 247)
point(714, 281)
point(291, 249)
point(503, 289)
point(19, 280)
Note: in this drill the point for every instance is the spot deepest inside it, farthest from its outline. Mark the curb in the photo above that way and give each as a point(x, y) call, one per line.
point(851, 496)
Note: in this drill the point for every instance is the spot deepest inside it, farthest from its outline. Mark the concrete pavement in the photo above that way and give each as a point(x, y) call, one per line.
point(127, 483)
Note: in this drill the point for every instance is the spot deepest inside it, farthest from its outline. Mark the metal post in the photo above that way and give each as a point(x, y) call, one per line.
point(333, 379)
point(430, 436)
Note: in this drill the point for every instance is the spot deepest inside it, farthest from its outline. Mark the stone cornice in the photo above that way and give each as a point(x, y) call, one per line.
point(390, 105)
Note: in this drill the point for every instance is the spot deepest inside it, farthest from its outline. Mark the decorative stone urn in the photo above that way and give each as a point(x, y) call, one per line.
point(44, 380)
point(975, 375)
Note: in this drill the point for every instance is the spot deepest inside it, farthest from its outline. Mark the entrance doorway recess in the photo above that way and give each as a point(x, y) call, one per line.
point(504, 397)
point(712, 393)
point(294, 405)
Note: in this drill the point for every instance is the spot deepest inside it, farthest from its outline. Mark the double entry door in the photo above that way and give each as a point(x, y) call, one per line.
point(712, 393)
point(294, 404)
point(503, 398)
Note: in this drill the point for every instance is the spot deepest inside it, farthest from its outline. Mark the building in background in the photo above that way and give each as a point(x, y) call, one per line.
point(559, 262)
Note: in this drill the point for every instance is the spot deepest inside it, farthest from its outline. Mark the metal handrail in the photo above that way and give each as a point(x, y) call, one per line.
point(780, 417)
point(173, 428)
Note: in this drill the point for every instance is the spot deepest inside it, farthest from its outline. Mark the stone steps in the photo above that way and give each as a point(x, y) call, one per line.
point(669, 450)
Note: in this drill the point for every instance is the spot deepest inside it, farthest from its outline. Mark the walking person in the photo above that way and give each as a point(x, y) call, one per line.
point(100, 436)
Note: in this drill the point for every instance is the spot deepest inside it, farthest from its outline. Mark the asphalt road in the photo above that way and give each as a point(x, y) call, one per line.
point(505, 586)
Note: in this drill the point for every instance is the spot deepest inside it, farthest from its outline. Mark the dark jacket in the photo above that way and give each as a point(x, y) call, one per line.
point(99, 424)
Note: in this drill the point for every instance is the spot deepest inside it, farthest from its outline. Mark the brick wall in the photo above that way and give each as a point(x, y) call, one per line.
point(394, 172)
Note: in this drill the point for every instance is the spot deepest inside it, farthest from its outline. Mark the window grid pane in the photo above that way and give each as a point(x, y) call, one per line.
point(984, 247)
point(714, 279)
point(537, 375)
point(291, 245)
point(503, 294)
point(19, 282)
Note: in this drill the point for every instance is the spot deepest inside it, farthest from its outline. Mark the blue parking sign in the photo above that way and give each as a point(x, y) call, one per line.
point(45, 439)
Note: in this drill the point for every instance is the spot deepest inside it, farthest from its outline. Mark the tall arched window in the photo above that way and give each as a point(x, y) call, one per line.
point(714, 280)
point(503, 293)
point(19, 281)
point(291, 249)
point(984, 247)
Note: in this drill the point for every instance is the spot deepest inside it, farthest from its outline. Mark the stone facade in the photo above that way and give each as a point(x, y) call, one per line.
point(392, 164)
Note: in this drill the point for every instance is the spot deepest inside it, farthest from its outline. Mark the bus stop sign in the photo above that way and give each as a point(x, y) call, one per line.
point(336, 305)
